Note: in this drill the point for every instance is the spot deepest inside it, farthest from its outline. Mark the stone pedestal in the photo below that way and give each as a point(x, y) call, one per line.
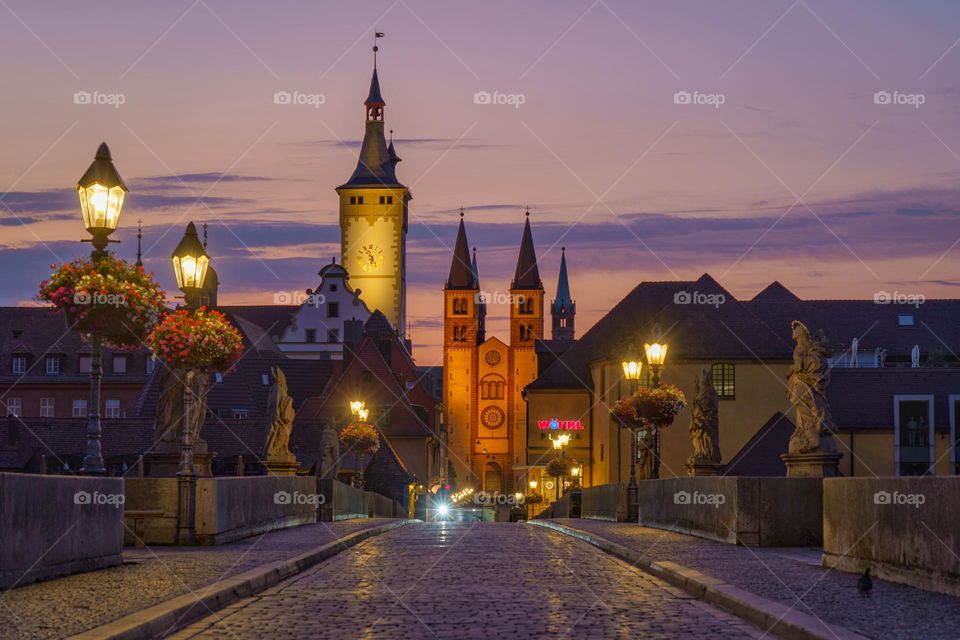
point(164, 459)
point(812, 465)
point(704, 468)
point(281, 465)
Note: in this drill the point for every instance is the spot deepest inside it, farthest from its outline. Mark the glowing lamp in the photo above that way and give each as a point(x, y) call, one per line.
point(363, 414)
point(533, 485)
point(101, 191)
point(190, 261)
point(656, 353)
point(356, 406)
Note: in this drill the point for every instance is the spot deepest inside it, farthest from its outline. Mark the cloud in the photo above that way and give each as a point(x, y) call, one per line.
point(210, 177)
point(426, 143)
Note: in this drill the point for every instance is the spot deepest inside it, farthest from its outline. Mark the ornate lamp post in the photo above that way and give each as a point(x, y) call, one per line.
point(190, 263)
point(656, 354)
point(533, 489)
point(358, 408)
point(632, 368)
point(101, 191)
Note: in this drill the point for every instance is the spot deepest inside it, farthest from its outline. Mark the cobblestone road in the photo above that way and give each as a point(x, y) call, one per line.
point(67, 605)
point(893, 612)
point(483, 580)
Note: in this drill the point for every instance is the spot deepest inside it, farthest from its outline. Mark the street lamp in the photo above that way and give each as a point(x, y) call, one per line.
point(656, 354)
point(359, 410)
point(101, 191)
point(632, 368)
point(190, 262)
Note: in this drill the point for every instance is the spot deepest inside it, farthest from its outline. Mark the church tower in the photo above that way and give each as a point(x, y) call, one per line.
point(563, 309)
point(373, 218)
point(526, 295)
point(462, 331)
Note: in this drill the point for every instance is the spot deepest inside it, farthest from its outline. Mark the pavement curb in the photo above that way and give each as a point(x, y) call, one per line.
point(776, 617)
point(170, 615)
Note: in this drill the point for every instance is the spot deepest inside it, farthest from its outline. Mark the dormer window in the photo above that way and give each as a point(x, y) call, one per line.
point(53, 365)
point(905, 320)
point(19, 364)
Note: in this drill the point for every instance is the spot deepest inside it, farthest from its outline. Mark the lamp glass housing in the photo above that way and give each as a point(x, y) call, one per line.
point(631, 369)
point(101, 207)
point(190, 270)
point(656, 353)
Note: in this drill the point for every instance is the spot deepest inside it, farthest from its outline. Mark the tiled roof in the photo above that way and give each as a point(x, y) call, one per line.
point(863, 398)
point(273, 319)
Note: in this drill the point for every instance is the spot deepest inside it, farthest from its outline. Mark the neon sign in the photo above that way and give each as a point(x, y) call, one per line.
point(560, 425)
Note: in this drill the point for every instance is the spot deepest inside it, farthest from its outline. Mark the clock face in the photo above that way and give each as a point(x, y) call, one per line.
point(492, 358)
point(370, 258)
point(492, 417)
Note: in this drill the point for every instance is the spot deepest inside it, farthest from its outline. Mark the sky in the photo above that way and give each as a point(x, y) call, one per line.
point(806, 141)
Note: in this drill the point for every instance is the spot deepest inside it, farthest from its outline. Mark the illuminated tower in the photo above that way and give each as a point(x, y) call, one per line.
point(373, 219)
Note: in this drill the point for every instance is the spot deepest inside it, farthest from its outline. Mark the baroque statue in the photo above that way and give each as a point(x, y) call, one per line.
point(807, 379)
point(704, 420)
point(279, 418)
point(170, 408)
point(328, 465)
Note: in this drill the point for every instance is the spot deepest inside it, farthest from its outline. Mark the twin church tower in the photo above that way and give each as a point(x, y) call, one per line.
point(483, 378)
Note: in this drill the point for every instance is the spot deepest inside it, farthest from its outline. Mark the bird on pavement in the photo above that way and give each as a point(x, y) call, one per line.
point(865, 584)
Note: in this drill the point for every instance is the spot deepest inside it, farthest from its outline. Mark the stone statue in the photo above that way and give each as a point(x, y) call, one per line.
point(329, 462)
point(170, 405)
point(645, 454)
point(704, 420)
point(279, 417)
point(807, 380)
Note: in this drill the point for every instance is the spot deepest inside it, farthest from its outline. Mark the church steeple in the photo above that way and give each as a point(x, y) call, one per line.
point(526, 293)
point(462, 273)
point(527, 275)
point(563, 309)
point(463, 319)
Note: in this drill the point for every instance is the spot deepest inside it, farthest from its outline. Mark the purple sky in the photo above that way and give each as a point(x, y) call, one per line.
point(636, 186)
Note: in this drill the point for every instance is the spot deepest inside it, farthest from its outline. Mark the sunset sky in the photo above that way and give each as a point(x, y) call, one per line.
point(798, 176)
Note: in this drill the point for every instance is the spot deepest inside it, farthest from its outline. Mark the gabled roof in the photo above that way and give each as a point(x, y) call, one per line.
point(461, 267)
point(527, 275)
point(273, 319)
point(679, 312)
point(775, 292)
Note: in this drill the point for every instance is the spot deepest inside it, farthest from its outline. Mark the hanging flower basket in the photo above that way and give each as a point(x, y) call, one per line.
point(533, 498)
point(202, 340)
point(119, 302)
point(360, 437)
point(561, 467)
point(650, 407)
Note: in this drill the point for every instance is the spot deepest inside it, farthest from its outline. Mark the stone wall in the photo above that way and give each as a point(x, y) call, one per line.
point(904, 529)
point(756, 512)
point(227, 508)
point(605, 502)
point(379, 506)
point(342, 501)
point(57, 525)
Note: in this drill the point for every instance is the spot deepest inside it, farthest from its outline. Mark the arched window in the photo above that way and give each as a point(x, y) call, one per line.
point(724, 379)
point(492, 387)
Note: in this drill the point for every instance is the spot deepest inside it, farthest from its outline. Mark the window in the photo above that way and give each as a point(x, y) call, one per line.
point(218, 377)
point(240, 414)
point(525, 305)
point(79, 408)
point(84, 363)
point(333, 287)
point(459, 334)
point(333, 335)
point(353, 199)
point(151, 364)
point(311, 335)
point(383, 199)
point(389, 199)
point(359, 199)
point(914, 435)
point(53, 365)
point(19, 364)
point(905, 319)
point(491, 388)
point(46, 407)
point(119, 364)
point(724, 379)
point(265, 379)
point(14, 406)
point(460, 306)
point(112, 408)
point(333, 309)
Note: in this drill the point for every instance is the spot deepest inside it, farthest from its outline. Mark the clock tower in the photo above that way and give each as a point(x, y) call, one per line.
point(373, 219)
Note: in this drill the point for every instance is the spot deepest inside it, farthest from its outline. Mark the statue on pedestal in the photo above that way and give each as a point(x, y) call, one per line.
point(277, 456)
point(164, 458)
point(328, 465)
point(812, 450)
point(704, 427)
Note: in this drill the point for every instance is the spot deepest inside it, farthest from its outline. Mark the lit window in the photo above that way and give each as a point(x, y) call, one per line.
point(905, 319)
point(14, 406)
point(19, 364)
point(53, 365)
point(724, 379)
point(46, 407)
point(119, 364)
point(79, 408)
point(112, 408)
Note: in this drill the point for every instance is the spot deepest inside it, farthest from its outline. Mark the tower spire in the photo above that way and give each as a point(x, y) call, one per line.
point(527, 275)
point(139, 238)
point(461, 268)
point(563, 309)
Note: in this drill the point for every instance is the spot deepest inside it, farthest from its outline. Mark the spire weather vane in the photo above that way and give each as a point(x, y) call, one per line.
point(376, 36)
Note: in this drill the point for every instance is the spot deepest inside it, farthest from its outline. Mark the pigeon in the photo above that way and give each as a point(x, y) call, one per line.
point(865, 584)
